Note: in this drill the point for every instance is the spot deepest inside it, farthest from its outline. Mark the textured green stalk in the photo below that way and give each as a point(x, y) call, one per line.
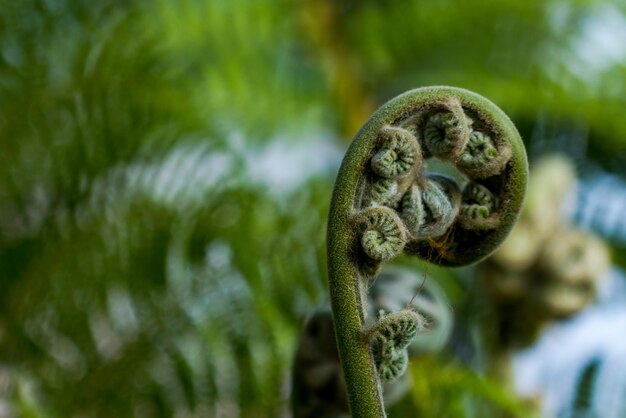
point(347, 295)
point(385, 203)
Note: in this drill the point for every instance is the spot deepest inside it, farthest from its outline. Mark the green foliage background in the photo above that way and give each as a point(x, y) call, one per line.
point(150, 265)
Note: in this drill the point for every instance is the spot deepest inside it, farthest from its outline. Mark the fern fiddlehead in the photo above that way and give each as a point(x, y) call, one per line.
point(383, 237)
point(478, 206)
point(385, 203)
point(389, 339)
point(398, 155)
point(446, 134)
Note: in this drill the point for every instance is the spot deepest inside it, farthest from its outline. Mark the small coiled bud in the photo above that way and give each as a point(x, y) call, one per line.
point(480, 150)
point(481, 158)
point(389, 339)
point(396, 288)
point(383, 233)
point(441, 201)
point(398, 155)
point(393, 364)
point(412, 210)
point(478, 208)
point(383, 190)
point(446, 133)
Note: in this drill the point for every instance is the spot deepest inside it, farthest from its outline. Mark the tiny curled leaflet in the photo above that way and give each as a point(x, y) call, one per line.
point(389, 339)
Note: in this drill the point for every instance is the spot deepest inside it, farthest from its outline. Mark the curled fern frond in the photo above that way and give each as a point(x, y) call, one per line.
point(480, 150)
point(396, 288)
point(412, 210)
point(481, 158)
point(399, 154)
point(441, 199)
point(392, 364)
point(383, 191)
point(385, 203)
point(383, 233)
point(447, 133)
point(478, 208)
point(429, 210)
point(389, 339)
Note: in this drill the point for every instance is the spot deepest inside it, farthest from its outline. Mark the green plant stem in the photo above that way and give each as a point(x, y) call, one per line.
point(348, 304)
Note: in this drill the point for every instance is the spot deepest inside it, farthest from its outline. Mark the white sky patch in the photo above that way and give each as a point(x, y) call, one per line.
point(598, 45)
point(186, 174)
point(602, 43)
point(283, 165)
point(193, 170)
point(553, 366)
point(601, 206)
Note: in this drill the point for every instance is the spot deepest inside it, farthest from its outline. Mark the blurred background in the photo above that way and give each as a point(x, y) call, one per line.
point(166, 168)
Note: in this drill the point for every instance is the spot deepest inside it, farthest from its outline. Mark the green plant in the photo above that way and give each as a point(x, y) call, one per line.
point(385, 202)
